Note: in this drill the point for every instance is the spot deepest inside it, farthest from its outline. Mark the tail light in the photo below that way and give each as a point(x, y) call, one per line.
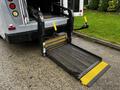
point(11, 27)
point(12, 6)
point(15, 13)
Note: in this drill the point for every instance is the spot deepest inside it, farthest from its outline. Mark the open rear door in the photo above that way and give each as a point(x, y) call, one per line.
point(24, 11)
point(75, 5)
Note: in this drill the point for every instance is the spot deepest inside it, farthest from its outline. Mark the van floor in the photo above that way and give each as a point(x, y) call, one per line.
point(47, 16)
point(49, 19)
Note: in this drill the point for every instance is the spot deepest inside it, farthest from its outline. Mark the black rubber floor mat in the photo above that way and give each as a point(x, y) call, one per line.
point(74, 59)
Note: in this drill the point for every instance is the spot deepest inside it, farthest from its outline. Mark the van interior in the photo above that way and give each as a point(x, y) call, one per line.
point(44, 5)
point(51, 12)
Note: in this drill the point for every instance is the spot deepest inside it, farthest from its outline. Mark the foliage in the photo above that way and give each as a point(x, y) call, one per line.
point(112, 5)
point(102, 25)
point(85, 2)
point(93, 4)
point(103, 5)
point(118, 5)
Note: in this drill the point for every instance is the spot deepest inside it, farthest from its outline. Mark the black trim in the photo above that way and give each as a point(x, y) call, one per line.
point(22, 36)
point(70, 24)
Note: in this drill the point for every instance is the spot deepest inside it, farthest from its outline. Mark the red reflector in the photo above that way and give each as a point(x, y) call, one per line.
point(80, 10)
point(10, 0)
point(11, 27)
point(12, 6)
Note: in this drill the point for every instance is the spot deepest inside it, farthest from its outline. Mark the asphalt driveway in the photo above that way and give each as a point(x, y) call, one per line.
point(23, 68)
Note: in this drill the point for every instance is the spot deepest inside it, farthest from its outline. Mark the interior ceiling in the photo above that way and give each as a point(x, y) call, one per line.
point(45, 5)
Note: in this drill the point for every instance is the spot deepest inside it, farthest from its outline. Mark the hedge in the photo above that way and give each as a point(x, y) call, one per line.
point(112, 5)
point(93, 4)
point(85, 2)
point(118, 6)
point(103, 5)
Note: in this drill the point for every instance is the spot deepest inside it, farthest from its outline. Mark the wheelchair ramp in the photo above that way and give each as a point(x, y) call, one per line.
point(83, 65)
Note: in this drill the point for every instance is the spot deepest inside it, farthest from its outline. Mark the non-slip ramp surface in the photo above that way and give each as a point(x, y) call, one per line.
point(89, 78)
point(78, 62)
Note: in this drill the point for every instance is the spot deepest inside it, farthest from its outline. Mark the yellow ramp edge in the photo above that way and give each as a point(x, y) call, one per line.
point(89, 78)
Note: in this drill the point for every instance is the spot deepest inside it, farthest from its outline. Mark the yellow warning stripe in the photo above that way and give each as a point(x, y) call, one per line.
point(57, 46)
point(86, 79)
point(50, 44)
point(85, 18)
point(56, 39)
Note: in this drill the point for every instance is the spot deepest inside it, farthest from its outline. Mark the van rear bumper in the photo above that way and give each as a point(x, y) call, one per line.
point(22, 37)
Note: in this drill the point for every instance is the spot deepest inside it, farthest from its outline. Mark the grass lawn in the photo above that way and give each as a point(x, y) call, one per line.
point(104, 26)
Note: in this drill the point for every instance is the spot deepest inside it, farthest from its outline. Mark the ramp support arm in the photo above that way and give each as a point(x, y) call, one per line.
point(70, 23)
point(38, 16)
point(41, 33)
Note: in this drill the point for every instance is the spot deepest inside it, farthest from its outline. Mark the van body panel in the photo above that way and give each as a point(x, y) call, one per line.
point(75, 5)
point(19, 19)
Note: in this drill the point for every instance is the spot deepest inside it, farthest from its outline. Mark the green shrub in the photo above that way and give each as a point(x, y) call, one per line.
point(85, 2)
point(103, 5)
point(118, 5)
point(93, 4)
point(112, 5)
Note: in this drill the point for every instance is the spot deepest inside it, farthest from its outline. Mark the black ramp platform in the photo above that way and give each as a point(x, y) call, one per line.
point(73, 59)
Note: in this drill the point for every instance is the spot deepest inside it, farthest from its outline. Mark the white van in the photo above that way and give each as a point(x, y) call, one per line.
point(17, 23)
point(75, 5)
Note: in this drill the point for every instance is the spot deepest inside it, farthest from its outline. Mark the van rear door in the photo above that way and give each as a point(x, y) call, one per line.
point(24, 11)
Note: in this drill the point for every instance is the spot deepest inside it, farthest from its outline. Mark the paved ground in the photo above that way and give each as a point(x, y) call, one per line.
point(22, 68)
